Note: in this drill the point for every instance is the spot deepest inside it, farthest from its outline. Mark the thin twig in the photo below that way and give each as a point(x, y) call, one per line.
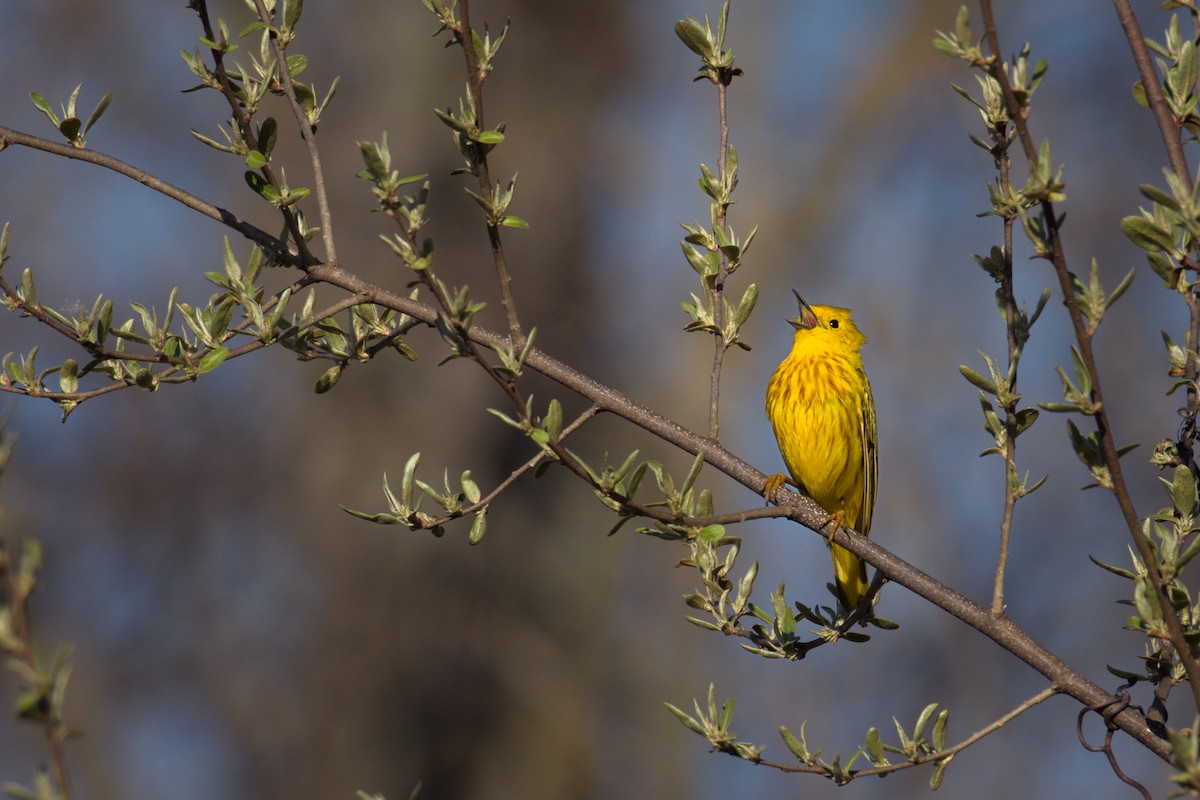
point(929, 758)
point(308, 133)
point(717, 291)
point(1010, 413)
point(487, 499)
point(244, 123)
point(1119, 703)
point(271, 243)
point(475, 79)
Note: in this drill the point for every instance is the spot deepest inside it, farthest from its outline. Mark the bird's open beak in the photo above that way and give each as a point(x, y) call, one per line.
point(807, 319)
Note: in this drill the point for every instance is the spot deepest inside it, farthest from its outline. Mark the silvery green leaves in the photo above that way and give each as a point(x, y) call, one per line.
point(1091, 298)
point(914, 747)
point(472, 141)
point(495, 206)
point(1172, 531)
point(923, 744)
point(1000, 383)
point(445, 14)
point(409, 211)
point(455, 502)
point(704, 319)
point(512, 362)
point(716, 63)
point(959, 42)
point(713, 724)
point(281, 195)
point(1090, 451)
point(475, 143)
point(1167, 232)
point(70, 125)
point(725, 601)
point(250, 86)
point(1178, 68)
point(715, 252)
point(485, 47)
point(544, 431)
point(1185, 756)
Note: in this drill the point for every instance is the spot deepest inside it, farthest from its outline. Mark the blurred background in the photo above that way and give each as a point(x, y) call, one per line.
point(237, 635)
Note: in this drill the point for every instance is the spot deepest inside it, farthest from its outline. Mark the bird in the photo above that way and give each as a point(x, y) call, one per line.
point(820, 405)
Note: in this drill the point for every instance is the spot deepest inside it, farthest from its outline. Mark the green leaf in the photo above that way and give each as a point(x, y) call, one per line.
point(686, 719)
point(259, 184)
point(478, 527)
point(213, 358)
point(68, 376)
point(98, 111)
point(694, 36)
point(939, 774)
point(1183, 490)
point(328, 380)
point(1144, 233)
point(44, 106)
point(977, 379)
point(291, 13)
point(798, 746)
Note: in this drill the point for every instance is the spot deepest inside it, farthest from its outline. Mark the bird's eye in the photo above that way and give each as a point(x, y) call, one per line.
point(833, 323)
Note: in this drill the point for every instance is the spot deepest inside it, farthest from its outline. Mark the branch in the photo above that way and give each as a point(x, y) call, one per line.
point(802, 509)
point(1010, 412)
point(717, 292)
point(243, 118)
point(940, 755)
point(308, 133)
point(1084, 339)
point(475, 79)
point(1169, 130)
point(273, 244)
point(1168, 126)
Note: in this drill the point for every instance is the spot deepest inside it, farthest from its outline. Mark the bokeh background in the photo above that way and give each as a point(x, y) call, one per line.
point(237, 635)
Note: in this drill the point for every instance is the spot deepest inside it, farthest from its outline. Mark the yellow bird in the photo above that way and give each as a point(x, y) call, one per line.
point(820, 404)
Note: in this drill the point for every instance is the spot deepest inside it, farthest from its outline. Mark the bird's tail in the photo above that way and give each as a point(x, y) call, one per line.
point(849, 575)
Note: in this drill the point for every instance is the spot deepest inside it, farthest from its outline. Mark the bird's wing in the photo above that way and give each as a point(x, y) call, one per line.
point(870, 465)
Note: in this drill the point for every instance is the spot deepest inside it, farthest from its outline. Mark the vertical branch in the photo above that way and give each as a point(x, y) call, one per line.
point(717, 290)
point(242, 118)
point(716, 253)
point(1083, 337)
point(308, 133)
point(1010, 412)
point(475, 78)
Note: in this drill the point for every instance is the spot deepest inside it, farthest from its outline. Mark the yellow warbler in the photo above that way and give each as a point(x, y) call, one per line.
point(820, 404)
